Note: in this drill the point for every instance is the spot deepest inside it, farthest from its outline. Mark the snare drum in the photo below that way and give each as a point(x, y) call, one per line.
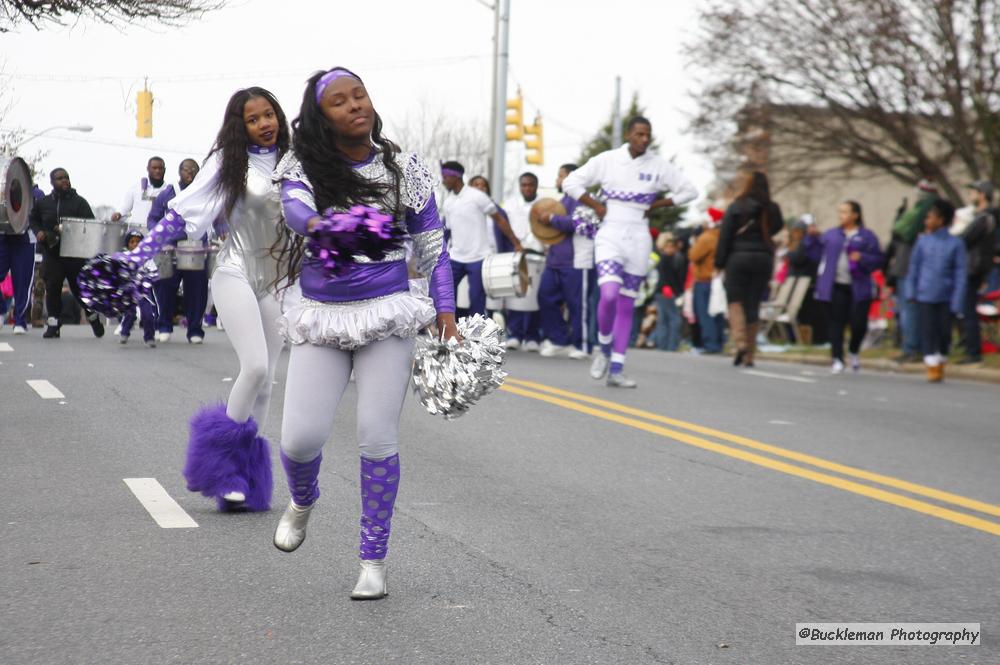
point(86, 238)
point(506, 275)
point(15, 198)
point(191, 255)
point(164, 261)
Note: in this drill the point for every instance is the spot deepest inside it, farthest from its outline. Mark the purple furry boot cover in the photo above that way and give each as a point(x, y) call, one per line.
point(379, 483)
point(226, 456)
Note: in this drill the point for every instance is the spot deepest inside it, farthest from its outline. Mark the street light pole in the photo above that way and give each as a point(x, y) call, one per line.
point(498, 123)
point(72, 128)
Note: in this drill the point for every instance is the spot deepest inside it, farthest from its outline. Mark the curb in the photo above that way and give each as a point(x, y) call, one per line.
point(980, 374)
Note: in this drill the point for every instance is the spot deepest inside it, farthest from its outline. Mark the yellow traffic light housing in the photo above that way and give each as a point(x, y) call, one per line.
point(535, 141)
point(515, 118)
point(144, 114)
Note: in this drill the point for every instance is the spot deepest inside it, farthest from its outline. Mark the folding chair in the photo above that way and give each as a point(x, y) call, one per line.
point(772, 309)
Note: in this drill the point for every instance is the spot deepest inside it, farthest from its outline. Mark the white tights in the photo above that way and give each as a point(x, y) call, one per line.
point(317, 377)
point(252, 326)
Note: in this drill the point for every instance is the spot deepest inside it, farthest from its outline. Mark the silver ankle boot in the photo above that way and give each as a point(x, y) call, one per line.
point(372, 582)
point(291, 529)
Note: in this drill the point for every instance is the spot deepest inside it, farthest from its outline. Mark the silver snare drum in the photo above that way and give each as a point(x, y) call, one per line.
point(164, 261)
point(86, 238)
point(506, 275)
point(191, 255)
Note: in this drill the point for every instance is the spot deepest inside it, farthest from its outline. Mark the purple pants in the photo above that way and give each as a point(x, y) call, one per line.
point(562, 286)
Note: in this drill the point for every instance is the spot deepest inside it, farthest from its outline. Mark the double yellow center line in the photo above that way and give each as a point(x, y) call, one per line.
point(647, 422)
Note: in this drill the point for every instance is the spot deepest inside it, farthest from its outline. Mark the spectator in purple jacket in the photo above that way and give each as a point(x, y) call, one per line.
point(847, 256)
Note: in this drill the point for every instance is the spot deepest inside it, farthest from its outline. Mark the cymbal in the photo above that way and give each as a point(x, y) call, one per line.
point(547, 234)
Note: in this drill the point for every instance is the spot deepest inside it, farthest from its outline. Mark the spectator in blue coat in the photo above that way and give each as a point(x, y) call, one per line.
point(847, 256)
point(937, 281)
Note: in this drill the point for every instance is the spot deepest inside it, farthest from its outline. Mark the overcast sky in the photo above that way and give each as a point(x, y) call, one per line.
point(563, 53)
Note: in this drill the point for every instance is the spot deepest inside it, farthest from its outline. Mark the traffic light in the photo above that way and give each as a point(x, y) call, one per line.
point(535, 141)
point(144, 114)
point(515, 120)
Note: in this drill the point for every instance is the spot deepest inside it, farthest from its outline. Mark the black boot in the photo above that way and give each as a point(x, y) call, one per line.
point(52, 329)
point(95, 324)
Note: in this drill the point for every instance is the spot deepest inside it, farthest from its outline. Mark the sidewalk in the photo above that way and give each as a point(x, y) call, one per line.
point(971, 373)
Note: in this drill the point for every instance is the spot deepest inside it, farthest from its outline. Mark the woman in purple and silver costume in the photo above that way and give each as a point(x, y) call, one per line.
point(363, 319)
point(227, 459)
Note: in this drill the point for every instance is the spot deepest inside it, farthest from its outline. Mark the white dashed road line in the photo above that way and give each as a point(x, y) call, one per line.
point(160, 505)
point(784, 377)
point(4, 346)
point(45, 389)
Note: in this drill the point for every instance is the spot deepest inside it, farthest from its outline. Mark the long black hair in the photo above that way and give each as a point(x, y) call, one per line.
point(231, 143)
point(758, 189)
point(856, 209)
point(335, 182)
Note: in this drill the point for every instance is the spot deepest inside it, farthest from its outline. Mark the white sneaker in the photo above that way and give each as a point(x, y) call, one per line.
point(619, 380)
point(122, 339)
point(218, 324)
point(578, 354)
point(550, 350)
point(837, 367)
point(531, 347)
point(196, 340)
point(20, 330)
point(599, 368)
point(854, 361)
point(163, 337)
point(513, 343)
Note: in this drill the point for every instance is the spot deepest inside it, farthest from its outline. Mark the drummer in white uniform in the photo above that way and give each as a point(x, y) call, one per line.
point(465, 214)
point(523, 323)
point(139, 199)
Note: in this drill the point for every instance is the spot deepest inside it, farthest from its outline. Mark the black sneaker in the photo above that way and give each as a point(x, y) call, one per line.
point(51, 332)
point(95, 324)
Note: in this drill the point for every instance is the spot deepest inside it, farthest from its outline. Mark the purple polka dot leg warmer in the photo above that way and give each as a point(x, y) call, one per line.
point(379, 483)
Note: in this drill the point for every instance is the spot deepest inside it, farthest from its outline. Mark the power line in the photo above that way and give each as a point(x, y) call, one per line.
point(228, 76)
point(548, 117)
point(118, 144)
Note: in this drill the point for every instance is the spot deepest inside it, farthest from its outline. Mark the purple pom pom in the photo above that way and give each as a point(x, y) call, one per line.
point(340, 236)
point(113, 285)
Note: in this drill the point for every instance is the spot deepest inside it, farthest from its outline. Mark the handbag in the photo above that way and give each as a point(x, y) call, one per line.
point(717, 298)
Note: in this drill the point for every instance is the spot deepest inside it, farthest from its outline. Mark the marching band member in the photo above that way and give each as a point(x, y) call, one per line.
point(226, 458)
point(632, 180)
point(363, 316)
point(195, 281)
point(465, 215)
point(566, 280)
point(139, 198)
point(523, 323)
point(17, 254)
point(44, 220)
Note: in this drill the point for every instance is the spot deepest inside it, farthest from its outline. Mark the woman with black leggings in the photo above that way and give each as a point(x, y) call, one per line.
point(746, 253)
point(847, 255)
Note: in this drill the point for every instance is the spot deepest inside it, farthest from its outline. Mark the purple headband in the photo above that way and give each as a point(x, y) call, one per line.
point(330, 77)
point(451, 172)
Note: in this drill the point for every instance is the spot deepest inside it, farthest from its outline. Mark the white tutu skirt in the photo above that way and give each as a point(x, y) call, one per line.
point(351, 325)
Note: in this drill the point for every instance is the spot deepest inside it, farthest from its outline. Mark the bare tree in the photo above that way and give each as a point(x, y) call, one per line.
point(14, 13)
point(437, 136)
point(12, 138)
point(906, 87)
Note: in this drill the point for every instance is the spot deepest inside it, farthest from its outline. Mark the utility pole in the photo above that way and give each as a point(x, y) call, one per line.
point(616, 115)
point(498, 122)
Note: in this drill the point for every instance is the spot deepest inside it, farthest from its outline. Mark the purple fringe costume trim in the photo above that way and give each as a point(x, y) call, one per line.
point(227, 456)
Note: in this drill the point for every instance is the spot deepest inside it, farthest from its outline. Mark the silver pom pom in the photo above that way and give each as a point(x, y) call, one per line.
point(450, 376)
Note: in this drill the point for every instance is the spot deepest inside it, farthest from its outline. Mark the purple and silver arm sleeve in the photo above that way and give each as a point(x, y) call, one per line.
point(167, 230)
point(298, 205)
point(563, 223)
point(431, 255)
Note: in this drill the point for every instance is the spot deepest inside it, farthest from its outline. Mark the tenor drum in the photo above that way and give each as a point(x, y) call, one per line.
point(15, 199)
point(86, 238)
point(191, 255)
point(164, 261)
point(506, 275)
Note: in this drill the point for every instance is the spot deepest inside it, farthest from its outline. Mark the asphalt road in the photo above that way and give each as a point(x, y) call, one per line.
point(695, 520)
